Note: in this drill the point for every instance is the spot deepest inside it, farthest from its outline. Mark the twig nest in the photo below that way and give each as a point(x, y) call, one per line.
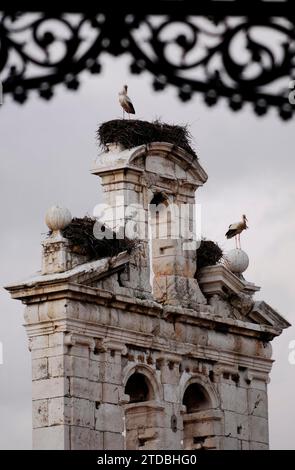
point(114, 147)
point(131, 133)
point(237, 261)
point(58, 218)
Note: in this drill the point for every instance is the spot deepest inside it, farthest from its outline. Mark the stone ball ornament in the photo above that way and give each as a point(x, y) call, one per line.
point(58, 218)
point(237, 260)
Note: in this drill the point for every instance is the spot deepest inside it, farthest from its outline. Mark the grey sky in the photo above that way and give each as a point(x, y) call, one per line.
point(46, 152)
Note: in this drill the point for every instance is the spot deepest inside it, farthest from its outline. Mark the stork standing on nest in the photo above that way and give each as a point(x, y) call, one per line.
point(234, 230)
point(126, 102)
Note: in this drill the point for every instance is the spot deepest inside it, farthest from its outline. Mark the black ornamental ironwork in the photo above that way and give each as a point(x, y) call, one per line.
point(217, 48)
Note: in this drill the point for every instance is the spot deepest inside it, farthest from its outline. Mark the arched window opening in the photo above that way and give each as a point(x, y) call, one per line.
point(201, 422)
point(160, 216)
point(143, 413)
point(159, 198)
point(163, 242)
point(138, 388)
point(196, 398)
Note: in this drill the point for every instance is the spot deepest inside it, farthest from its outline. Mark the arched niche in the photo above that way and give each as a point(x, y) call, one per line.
point(201, 418)
point(144, 412)
point(150, 377)
point(139, 388)
point(196, 398)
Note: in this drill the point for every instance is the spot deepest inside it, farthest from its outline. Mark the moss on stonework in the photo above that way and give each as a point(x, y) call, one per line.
point(133, 132)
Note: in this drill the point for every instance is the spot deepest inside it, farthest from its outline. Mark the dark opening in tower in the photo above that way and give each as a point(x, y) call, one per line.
point(138, 388)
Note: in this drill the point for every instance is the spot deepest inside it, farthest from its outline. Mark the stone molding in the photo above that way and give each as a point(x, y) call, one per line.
point(219, 280)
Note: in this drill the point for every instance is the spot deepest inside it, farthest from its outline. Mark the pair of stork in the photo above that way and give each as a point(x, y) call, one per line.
point(235, 229)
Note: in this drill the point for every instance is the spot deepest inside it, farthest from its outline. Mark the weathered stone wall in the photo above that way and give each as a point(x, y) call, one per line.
point(86, 354)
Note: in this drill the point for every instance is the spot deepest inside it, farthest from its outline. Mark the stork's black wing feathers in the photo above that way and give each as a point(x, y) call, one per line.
point(131, 108)
point(230, 233)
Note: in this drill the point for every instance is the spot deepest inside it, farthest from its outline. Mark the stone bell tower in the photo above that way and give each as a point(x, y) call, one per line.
point(150, 190)
point(141, 349)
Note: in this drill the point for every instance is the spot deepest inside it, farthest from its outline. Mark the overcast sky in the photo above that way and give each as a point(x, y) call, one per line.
point(47, 150)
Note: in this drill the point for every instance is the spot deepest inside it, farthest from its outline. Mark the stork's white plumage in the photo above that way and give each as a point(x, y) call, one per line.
point(126, 102)
point(234, 230)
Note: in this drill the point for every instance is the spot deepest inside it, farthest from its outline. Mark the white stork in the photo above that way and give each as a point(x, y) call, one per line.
point(234, 230)
point(126, 102)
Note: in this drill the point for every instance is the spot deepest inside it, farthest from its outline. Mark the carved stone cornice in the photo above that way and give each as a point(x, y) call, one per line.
point(203, 317)
point(109, 337)
point(219, 280)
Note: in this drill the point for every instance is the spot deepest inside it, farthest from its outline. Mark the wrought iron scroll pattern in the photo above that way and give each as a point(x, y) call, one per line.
point(239, 58)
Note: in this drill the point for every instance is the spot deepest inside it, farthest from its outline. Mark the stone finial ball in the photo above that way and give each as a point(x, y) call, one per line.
point(237, 261)
point(58, 218)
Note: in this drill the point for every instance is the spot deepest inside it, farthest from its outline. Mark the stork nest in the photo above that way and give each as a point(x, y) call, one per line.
point(83, 241)
point(209, 253)
point(132, 133)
